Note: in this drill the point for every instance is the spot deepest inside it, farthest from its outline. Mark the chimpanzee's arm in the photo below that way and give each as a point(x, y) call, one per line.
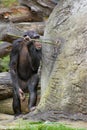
point(14, 54)
point(14, 62)
point(14, 77)
point(36, 58)
point(36, 55)
point(13, 66)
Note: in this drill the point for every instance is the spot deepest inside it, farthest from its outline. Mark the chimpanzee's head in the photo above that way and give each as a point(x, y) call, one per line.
point(33, 35)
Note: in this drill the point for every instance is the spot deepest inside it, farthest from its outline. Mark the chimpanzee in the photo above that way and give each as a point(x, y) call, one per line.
point(24, 63)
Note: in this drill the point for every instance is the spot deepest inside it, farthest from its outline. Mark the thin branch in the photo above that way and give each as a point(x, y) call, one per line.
point(46, 41)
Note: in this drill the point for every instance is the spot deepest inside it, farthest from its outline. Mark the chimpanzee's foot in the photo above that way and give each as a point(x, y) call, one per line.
point(32, 108)
point(18, 116)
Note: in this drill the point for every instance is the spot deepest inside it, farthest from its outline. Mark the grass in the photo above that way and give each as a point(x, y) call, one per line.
point(25, 125)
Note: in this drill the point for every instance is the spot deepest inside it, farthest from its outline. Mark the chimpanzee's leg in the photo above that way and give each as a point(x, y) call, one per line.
point(16, 95)
point(16, 103)
point(32, 86)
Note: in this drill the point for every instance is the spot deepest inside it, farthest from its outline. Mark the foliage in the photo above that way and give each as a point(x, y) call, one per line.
point(8, 3)
point(25, 125)
point(4, 64)
point(1, 42)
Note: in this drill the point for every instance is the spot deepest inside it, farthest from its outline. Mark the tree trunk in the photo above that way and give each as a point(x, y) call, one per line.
point(30, 11)
point(6, 106)
point(11, 31)
point(24, 14)
point(19, 14)
point(5, 85)
point(6, 95)
point(64, 70)
point(36, 26)
point(5, 48)
point(38, 7)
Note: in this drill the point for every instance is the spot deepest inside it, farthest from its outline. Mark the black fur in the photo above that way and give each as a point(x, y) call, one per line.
point(24, 64)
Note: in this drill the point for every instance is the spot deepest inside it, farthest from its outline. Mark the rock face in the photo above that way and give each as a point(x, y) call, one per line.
point(64, 77)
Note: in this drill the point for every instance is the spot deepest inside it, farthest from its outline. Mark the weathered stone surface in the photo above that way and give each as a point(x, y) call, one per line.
point(64, 81)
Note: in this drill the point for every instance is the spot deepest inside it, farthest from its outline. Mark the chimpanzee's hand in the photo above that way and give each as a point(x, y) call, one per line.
point(22, 95)
point(27, 38)
point(37, 45)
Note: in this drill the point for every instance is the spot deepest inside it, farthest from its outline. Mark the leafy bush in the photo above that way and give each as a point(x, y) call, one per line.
point(4, 64)
point(8, 3)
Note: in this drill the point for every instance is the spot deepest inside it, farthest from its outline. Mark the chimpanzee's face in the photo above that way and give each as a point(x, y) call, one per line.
point(32, 34)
